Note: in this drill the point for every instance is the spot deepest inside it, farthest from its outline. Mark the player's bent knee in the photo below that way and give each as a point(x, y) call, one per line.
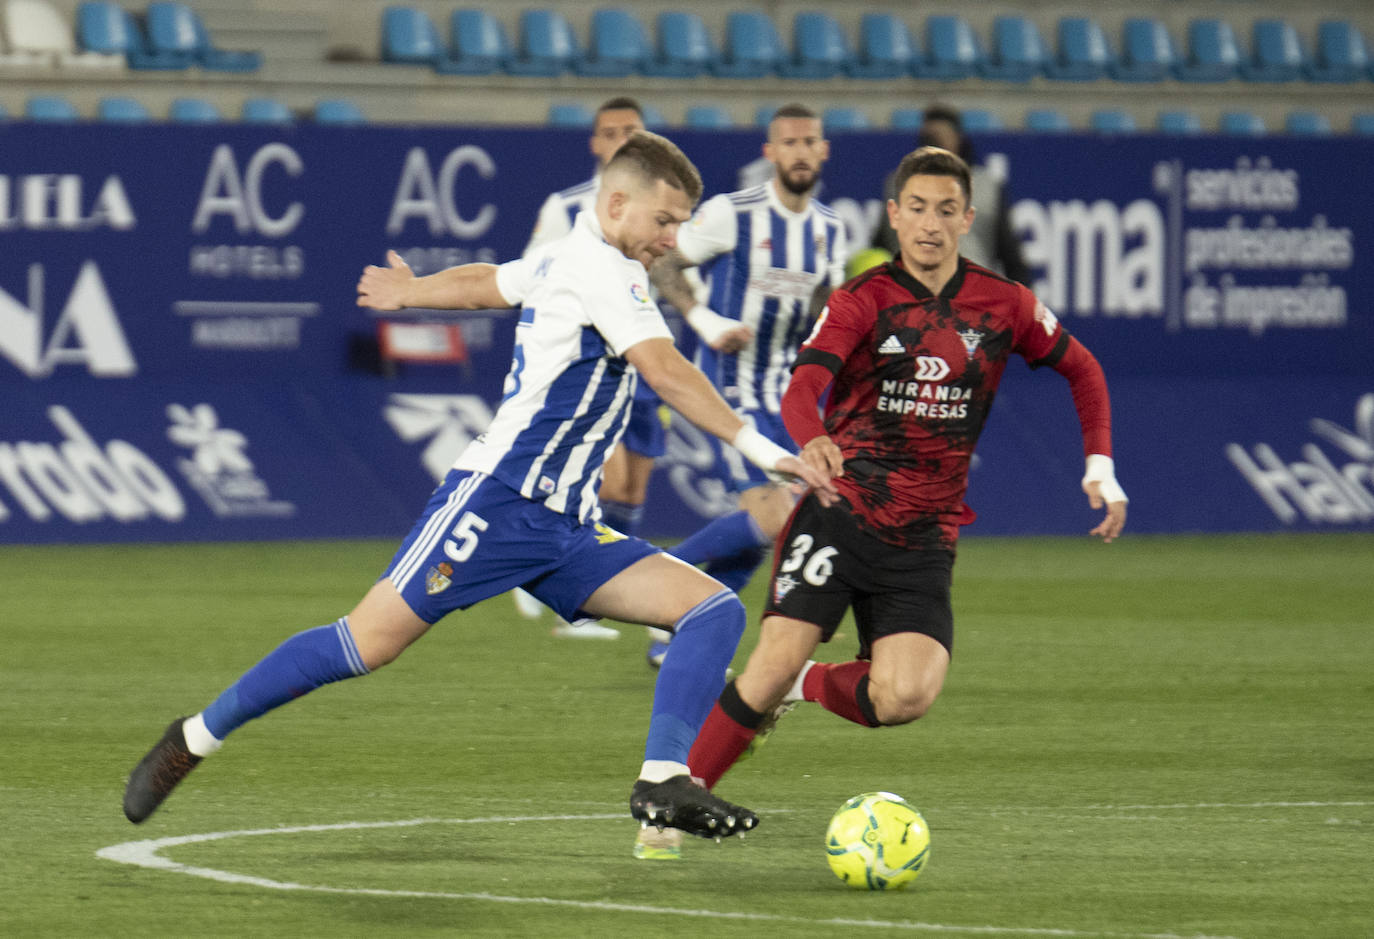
point(905, 706)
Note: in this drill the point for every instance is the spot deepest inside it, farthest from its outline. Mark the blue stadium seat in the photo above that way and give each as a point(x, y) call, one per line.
point(980, 121)
point(708, 117)
point(1363, 124)
point(193, 111)
point(1276, 53)
point(952, 50)
point(175, 31)
point(1081, 51)
point(477, 44)
point(653, 117)
point(763, 114)
point(1147, 52)
point(751, 48)
point(886, 49)
point(51, 109)
point(547, 46)
point(4, 113)
point(1017, 53)
point(907, 119)
point(1340, 55)
point(121, 110)
point(844, 120)
point(339, 111)
point(1212, 54)
point(1241, 124)
point(1047, 120)
point(1112, 121)
point(1178, 122)
point(409, 37)
point(617, 45)
point(684, 48)
point(1306, 124)
point(570, 115)
point(265, 111)
point(820, 48)
point(106, 27)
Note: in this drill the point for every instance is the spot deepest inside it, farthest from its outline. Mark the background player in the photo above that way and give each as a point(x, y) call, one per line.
point(912, 351)
point(518, 506)
point(770, 255)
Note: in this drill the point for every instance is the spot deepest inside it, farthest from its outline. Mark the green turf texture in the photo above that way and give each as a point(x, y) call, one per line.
point(1163, 736)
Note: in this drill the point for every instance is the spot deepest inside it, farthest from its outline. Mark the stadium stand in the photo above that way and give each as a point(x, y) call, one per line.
point(1241, 123)
point(617, 46)
point(570, 115)
point(907, 119)
point(1363, 124)
point(1017, 51)
point(1212, 54)
point(1276, 54)
point(265, 111)
point(1339, 55)
point(684, 48)
point(840, 120)
point(1147, 52)
point(981, 121)
point(1081, 51)
point(107, 28)
point(478, 44)
point(340, 111)
point(886, 49)
point(707, 117)
point(820, 48)
point(1112, 121)
point(38, 34)
point(1306, 124)
point(409, 37)
point(175, 32)
point(1178, 122)
point(50, 109)
point(1047, 120)
point(547, 46)
point(194, 111)
point(952, 50)
point(116, 109)
point(751, 49)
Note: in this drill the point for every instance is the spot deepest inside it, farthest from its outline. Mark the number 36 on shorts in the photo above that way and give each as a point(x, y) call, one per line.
point(815, 566)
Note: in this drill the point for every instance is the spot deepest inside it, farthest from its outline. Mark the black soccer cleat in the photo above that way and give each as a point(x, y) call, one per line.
point(680, 803)
point(158, 773)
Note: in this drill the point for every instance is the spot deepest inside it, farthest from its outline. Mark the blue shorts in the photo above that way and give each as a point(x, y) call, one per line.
point(644, 434)
point(730, 466)
point(478, 538)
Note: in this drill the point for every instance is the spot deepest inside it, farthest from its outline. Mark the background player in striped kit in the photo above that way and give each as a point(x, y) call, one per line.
point(518, 508)
point(770, 255)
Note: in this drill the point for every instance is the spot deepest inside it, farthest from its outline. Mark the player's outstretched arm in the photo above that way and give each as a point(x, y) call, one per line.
point(395, 287)
point(1099, 482)
point(719, 332)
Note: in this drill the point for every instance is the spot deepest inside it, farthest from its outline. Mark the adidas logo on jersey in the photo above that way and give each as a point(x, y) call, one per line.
point(892, 346)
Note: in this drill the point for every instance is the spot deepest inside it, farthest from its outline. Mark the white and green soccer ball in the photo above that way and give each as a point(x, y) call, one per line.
point(877, 841)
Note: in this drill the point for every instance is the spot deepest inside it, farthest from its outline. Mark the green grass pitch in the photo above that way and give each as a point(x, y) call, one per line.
point(1160, 737)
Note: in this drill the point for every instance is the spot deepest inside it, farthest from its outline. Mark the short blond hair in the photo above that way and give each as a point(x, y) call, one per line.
point(652, 157)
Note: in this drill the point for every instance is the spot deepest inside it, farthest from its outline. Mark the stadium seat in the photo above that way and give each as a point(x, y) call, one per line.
point(820, 48)
point(547, 46)
point(194, 111)
point(1178, 122)
point(176, 31)
point(886, 49)
point(1363, 124)
point(763, 114)
point(120, 110)
point(51, 109)
point(1340, 55)
point(1276, 53)
point(1017, 53)
point(653, 117)
point(751, 48)
point(1306, 124)
point(1081, 52)
point(617, 45)
point(1047, 120)
point(477, 44)
point(570, 115)
point(339, 111)
point(106, 27)
point(952, 50)
point(1147, 52)
point(980, 121)
point(36, 31)
point(1212, 54)
point(907, 119)
point(708, 117)
point(409, 37)
point(844, 120)
point(1241, 124)
point(684, 48)
point(1112, 121)
point(265, 111)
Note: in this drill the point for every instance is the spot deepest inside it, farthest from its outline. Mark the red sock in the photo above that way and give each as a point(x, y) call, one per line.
point(841, 689)
point(722, 737)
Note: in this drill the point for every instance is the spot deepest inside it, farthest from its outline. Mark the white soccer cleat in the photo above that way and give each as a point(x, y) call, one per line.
point(525, 604)
point(584, 628)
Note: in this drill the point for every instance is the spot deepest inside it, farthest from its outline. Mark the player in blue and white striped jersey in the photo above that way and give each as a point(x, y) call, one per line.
point(771, 254)
point(519, 508)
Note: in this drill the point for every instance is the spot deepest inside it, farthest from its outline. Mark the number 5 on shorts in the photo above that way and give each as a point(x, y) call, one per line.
point(464, 541)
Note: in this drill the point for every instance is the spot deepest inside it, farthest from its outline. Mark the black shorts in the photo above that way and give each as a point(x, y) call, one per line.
point(826, 564)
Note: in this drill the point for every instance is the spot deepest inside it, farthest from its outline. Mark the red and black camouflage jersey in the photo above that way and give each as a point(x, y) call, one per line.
point(915, 375)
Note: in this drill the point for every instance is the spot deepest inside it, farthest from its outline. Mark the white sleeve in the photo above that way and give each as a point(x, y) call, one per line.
point(513, 280)
point(553, 222)
point(713, 230)
point(622, 311)
point(839, 256)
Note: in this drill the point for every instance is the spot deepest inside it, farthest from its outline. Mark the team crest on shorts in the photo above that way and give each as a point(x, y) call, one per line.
point(782, 586)
point(438, 578)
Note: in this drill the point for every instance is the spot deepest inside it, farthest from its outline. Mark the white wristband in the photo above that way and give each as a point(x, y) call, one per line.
point(1101, 469)
point(758, 449)
point(709, 324)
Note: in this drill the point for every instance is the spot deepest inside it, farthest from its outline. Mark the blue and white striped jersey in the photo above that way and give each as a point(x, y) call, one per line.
point(762, 262)
point(560, 210)
point(567, 397)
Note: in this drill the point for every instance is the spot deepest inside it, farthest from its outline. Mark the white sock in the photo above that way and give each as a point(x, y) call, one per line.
point(657, 771)
point(658, 635)
point(199, 740)
point(795, 692)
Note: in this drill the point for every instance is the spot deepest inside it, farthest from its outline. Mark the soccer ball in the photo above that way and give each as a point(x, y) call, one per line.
point(877, 841)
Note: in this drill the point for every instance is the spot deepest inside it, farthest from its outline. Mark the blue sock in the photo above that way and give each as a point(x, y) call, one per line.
point(299, 665)
point(722, 538)
point(692, 677)
point(622, 516)
point(735, 572)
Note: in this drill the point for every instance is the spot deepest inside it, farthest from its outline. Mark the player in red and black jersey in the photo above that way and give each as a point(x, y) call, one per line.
point(912, 351)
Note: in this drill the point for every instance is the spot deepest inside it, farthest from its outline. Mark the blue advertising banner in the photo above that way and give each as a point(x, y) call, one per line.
point(182, 357)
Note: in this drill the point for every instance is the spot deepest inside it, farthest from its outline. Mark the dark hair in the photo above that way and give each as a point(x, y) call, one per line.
point(951, 116)
point(653, 157)
point(622, 103)
point(932, 161)
point(794, 110)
